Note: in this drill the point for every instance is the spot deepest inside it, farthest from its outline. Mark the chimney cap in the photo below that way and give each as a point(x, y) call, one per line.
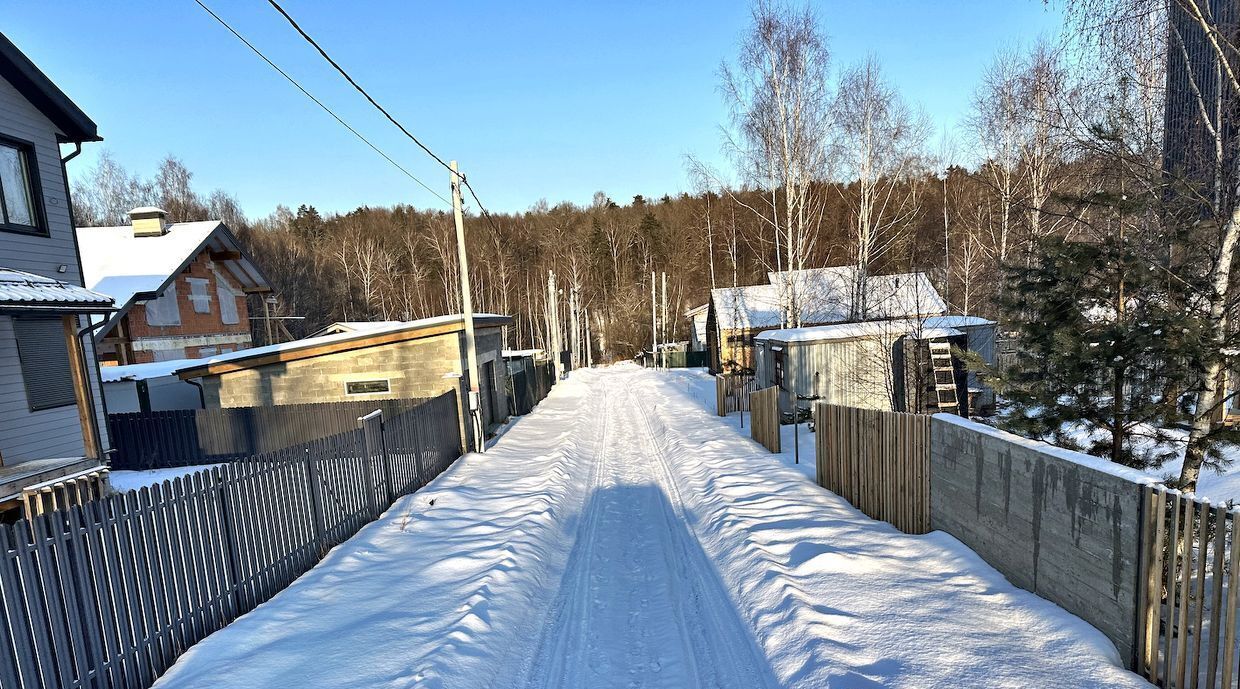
point(147, 212)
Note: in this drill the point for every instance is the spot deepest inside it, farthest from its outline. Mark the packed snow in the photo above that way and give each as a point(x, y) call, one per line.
point(124, 480)
point(622, 535)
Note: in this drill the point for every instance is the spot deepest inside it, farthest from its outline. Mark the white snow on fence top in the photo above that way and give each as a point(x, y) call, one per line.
point(1090, 461)
point(155, 369)
point(20, 288)
point(920, 328)
point(294, 345)
point(825, 296)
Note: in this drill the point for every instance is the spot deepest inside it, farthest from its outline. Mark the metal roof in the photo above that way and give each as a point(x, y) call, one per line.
point(24, 291)
point(33, 84)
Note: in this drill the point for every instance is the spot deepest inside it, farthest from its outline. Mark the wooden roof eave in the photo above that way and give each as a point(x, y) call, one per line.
point(362, 341)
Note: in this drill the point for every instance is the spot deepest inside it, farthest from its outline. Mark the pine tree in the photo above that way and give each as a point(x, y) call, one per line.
point(1096, 344)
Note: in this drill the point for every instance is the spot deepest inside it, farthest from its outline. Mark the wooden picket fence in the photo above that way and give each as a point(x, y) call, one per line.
point(732, 393)
point(877, 460)
point(764, 407)
point(1189, 592)
point(110, 593)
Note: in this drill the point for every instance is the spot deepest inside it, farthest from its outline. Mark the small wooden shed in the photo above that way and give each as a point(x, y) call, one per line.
point(886, 364)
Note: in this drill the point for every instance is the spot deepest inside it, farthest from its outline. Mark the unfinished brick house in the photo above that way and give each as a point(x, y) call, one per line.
point(180, 288)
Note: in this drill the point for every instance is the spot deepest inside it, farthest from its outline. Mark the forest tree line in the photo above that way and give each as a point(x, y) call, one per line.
point(1051, 209)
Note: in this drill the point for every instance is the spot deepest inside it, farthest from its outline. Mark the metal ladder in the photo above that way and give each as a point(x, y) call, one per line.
point(944, 376)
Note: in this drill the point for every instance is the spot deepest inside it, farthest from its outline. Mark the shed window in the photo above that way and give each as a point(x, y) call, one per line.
point(198, 295)
point(164, 310)
point(366, 387)
point(778, 357)
point(19, 209)
point(44, 356)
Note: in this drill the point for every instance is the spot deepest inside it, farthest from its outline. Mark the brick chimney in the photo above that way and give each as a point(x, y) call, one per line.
point(148, 221)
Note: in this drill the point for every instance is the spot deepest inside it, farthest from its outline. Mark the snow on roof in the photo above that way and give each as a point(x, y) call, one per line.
point(925, 329)
point(155, 369)
point(826, 296)
point(697, 310)
point(130, 268)
point(19, 288)
point(518, 353)
point(319, 340)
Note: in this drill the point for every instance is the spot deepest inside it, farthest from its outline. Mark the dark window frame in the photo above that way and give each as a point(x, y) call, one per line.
point(778, 366)
point(41, 228)
point(349, 386)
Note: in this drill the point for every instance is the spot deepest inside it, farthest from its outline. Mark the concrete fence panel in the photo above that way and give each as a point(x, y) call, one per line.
point(1061, 524)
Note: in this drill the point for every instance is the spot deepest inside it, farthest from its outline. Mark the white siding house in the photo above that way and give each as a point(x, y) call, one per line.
point(51, 412)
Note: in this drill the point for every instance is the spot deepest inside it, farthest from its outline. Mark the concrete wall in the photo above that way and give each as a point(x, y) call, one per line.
point(1063, 525)
point(414, 368)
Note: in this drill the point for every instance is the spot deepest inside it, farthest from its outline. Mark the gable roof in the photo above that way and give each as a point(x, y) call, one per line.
point(826, 296)
point(33, 84)
point(395, 331)
point(352, 327)
point(134, 269)
point(24, 291)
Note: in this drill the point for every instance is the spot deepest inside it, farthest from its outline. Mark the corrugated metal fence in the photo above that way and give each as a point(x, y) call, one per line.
point(110, 593)
point(528, 385)
point(186, 437)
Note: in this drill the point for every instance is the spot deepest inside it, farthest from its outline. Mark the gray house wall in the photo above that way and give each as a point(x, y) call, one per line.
point(26, 434)
point(1051, 524)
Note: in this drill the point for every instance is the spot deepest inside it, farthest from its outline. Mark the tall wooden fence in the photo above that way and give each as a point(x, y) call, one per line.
point(877, 460)
point(764, 406)
point(110, 593)
point(1190, 589)
point(186, 437)
point(732, 393)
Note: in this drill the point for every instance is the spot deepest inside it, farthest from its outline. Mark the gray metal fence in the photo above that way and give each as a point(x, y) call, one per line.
point(110, 593)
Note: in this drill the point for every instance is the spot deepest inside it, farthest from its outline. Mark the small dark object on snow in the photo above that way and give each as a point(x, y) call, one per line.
point(432, 501)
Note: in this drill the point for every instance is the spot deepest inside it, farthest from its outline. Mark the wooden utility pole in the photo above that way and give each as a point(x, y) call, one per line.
point(467, 312)
point(664, 318)
point(654, 322)
point(589, 343)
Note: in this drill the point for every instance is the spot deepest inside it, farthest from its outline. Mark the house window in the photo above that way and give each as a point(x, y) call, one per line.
point(366, 387)
point(168, 354)
point(20, 209)
point(228, 300)
point(44, 358)
point(164, 310)
point(198, 295)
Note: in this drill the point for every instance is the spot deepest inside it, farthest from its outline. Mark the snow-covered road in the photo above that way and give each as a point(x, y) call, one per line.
point(622, 536)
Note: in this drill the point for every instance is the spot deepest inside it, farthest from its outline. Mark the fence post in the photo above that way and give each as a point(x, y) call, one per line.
point(387, 462)
point(228, 530)
point(363, 423)
point(316, 499)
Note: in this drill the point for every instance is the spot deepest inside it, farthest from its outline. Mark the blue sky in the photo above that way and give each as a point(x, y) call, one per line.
point(552, 101)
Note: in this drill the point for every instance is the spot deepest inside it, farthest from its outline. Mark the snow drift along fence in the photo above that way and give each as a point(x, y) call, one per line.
point(732, 392)
point(877, 460)
point(1189, 592)
point(764, 408)
point(186, 437)
point(110, 593)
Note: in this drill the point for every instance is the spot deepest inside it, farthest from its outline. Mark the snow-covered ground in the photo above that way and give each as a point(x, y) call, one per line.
point(622, 535)
point(124, 480)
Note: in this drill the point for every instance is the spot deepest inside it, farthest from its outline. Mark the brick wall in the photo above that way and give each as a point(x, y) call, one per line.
point(1062, 525)
point(193, 323)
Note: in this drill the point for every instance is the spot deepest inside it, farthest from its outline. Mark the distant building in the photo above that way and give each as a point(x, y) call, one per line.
point(52, 423)
point(697, 332)
point(180, 288)
point(1192, 68)
point(824, 296)
point(423, 358)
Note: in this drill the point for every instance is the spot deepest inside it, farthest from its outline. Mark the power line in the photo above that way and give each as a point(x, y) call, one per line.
point(463, 179)
point(357, 86)
point(320, 103)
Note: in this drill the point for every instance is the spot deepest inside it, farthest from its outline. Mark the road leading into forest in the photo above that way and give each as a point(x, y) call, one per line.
point(623, 536)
